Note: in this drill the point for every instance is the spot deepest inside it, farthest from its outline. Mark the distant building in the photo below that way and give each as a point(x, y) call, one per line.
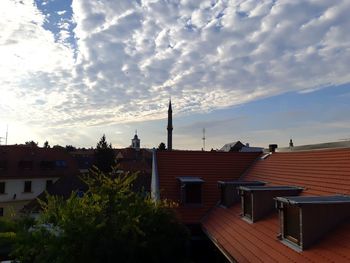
point(239, 147)
point(307, 147)
point(135, 142)
point(27, 171)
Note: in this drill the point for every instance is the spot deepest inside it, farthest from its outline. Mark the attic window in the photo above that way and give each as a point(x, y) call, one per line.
point(258, 201)
point(191, 190)
point(229, 192)
point(300, 218)
point(25, 165)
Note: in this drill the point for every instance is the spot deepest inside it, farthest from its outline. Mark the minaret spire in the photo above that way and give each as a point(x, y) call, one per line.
point(170, 127)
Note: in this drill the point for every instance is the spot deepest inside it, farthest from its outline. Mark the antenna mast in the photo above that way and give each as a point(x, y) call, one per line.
point(203, 139)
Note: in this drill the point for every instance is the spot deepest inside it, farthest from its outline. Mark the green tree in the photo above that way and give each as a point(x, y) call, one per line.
point(46, 144)
point(161, 146)
point(104, 155)
point(31, 143)
point(109, 223)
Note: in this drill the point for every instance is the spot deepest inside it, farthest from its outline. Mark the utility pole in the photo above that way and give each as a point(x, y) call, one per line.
point(7, 133)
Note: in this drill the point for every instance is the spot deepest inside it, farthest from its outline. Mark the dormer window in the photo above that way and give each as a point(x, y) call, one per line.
point(191, 190)
point(229, 192)
point(258, 201)
point(300, 216)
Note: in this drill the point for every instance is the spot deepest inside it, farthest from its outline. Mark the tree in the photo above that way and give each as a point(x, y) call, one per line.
point(46, 145)
point(109, 223)
point(70, 148)
point(161, 146)
point(31, 143)
point(104, 155)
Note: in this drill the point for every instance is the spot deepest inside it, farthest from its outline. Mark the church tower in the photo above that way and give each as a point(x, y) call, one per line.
point(170, 127)
point(135, 142)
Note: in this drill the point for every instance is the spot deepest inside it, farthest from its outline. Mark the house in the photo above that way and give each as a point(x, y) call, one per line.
point(190, 178)
point(26, 171)
point(271, 207)
point(310, 227)
point(240, 147)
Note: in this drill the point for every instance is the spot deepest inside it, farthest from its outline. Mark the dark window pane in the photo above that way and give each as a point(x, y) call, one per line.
point(247, 204)
point(2, 187)
point(3, 165)
point(27, 186)
point(48, 183)
point(292, 223)
point(26, 165)
point(193, 193)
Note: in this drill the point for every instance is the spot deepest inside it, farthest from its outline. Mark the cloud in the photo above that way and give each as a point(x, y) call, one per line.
point(132, 55)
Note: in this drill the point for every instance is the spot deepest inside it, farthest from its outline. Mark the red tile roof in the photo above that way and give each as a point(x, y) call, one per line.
point(12, 155)
point(210, 166)
point(323, 172)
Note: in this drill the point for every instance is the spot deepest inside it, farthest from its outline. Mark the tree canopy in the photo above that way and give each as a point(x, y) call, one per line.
point(104, 155)
point(109, 223)
point(161, 146)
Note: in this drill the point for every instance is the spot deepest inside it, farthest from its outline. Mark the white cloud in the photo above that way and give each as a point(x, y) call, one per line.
point(131, 55)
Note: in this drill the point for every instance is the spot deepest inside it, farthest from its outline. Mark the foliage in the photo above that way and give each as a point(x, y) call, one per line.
point(109, 223)
point(7, 236)
point(31, 143)
point(104, 155)
point(70, 148)
point(161, 146)
point(46, 145)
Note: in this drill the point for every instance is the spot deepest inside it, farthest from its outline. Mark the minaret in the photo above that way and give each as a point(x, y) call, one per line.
point(170, 127)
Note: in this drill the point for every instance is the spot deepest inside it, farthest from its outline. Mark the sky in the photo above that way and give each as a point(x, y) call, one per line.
point(251, 70)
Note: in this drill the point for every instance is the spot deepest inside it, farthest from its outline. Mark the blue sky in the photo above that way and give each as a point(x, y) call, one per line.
point(259, 71)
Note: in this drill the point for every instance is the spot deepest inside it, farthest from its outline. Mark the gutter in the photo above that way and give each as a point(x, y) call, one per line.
point(216, 243)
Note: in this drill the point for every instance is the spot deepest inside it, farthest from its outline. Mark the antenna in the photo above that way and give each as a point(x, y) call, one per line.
point(203, 139)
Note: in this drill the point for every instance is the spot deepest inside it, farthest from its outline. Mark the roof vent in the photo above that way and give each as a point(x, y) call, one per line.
point(305, 219)
point(229, 191)
point(258, 201)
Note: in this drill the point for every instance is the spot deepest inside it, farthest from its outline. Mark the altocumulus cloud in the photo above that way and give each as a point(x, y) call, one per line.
point(130, 56)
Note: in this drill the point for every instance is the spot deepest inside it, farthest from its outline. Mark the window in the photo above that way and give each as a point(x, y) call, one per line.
point(47, 165)
point(1, 211)
point(191, 190)
point(48, 183)
point(25, 165)
point(61, 164)
point(2, 187)
point(27, 187)
point(292, 224)
point(3, 165)
point(258, 201)
point(247, 204)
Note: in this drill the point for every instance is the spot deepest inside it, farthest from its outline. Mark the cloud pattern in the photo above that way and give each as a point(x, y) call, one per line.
point(131, 56)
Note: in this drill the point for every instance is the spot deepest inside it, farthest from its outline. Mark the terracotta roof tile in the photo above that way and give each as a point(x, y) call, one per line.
point(325, 172)
point(210, 166)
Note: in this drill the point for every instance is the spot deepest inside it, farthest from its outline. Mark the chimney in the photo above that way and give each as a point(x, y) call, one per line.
point(273, 147)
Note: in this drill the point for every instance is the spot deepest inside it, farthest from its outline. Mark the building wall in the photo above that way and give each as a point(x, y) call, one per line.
point(15, 196)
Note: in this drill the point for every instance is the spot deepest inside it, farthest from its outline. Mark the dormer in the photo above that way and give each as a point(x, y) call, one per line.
point(258, 201)
point(191, 190)
point(305, 219)
point(229, 191)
